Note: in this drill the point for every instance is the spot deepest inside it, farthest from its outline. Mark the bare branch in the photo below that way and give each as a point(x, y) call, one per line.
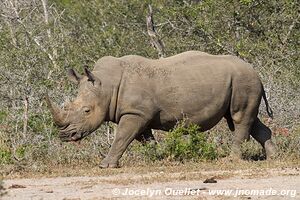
point(50, 56)
point(25, 120)
point(291, 27)
point(12, 33)
point(46, 16)
point(12, 14)
point(155, 39)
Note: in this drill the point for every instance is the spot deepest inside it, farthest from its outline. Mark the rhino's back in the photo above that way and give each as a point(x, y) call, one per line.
point(188, 69)
point(190, 61)
point(185, 64)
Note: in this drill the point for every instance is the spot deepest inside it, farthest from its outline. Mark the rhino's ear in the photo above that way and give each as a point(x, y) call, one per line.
point(91, 77)
point(74, 76)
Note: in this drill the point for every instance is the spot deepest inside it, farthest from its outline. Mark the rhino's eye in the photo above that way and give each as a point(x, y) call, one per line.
point(86, 110)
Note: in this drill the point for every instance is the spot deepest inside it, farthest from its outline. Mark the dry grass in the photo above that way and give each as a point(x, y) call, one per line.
point(68, 159)
point(187, 170)
point(2, 189)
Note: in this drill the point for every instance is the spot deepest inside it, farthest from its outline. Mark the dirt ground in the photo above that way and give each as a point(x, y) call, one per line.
point(161, 183)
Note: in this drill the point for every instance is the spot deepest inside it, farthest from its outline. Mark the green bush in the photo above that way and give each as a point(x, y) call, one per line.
point(189, 143)
point(180, 144)
point(5, 156)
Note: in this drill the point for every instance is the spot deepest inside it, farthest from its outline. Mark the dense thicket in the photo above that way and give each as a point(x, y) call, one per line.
point(40, 39)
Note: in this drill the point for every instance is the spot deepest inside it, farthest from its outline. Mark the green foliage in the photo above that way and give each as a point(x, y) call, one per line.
point(20, 152)
point(181, 144)
point(246, 1)
point(3, 115)
point(189, 143)
point(37, 123)
point(5, 156)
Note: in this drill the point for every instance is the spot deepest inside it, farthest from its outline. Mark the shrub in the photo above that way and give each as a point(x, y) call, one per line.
point(188, 143)
point(5, 156)
point(180, 144)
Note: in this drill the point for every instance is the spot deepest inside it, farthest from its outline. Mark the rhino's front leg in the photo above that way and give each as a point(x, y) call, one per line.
point(129, 127)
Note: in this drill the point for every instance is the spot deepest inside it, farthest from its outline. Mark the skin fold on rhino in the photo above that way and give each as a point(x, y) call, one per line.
point(141, 94)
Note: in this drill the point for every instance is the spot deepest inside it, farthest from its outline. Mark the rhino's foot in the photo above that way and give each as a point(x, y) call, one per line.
point(106, 163)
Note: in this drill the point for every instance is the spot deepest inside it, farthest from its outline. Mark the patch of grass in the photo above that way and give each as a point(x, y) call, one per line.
point(5, 156)
point(184, 145)
point(3, 115)
point(251, 150)
point(288, 145)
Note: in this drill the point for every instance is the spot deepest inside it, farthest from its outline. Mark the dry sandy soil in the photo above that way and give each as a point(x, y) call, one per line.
point(160, 183)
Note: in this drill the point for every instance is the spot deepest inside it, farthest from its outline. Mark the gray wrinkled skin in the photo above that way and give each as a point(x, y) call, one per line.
point(141, 94)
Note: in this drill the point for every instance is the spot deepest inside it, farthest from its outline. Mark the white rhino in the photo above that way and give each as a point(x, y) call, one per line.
point(140, 94)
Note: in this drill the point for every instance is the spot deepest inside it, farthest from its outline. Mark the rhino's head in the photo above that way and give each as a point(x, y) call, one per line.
point(86, 113)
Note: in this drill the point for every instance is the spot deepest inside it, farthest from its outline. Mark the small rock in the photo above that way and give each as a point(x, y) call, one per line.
point(196, 189)
point(210, 180)
point(16, 186)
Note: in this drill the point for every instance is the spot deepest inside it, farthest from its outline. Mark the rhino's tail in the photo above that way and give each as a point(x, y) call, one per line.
point(269, 110)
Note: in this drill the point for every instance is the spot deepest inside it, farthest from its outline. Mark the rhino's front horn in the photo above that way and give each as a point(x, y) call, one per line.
point(59, 115)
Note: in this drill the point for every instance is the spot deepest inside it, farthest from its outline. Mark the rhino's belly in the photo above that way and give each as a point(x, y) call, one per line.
point(203, 106)
point(206, 117)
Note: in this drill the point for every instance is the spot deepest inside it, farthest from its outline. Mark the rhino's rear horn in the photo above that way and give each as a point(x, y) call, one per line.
point(90, 75)
point(59, 115)
point(74, 76)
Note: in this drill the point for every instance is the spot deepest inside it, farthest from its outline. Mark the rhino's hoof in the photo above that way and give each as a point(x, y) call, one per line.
point(104, 164)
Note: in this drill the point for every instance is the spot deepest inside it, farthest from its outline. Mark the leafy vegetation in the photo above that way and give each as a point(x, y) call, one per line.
point(188, 143)
point(40, 39)
point(181, 144)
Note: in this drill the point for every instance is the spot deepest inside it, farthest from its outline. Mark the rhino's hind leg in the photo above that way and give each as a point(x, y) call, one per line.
point(262, 134)
point(241, 134)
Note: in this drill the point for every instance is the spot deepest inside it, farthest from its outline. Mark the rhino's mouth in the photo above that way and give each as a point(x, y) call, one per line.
point(70, 133)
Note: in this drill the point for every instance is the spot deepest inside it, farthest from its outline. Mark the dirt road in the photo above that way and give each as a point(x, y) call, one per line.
point(239, 184)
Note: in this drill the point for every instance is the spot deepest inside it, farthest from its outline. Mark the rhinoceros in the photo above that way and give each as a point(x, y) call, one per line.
point(140, 94)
